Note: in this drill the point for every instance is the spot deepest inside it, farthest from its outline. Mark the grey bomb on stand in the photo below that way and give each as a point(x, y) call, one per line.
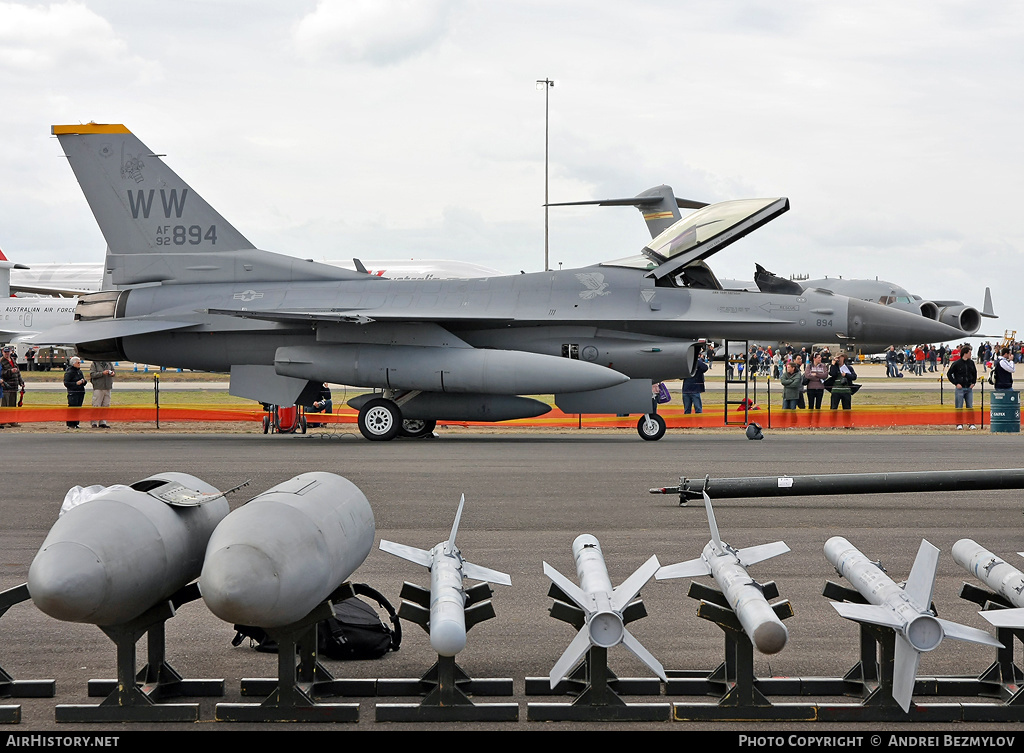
point(270, 562)
point(110, 559)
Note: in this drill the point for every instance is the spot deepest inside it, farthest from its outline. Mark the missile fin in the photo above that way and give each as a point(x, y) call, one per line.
point(921, 582)
point(905, 672)
point(476, 572)
point(713, 524)
point(688, 569)
point(959, 632)
point(641, 653)
point(569, 588)
point(751, 555)
point(450, 546)
point(631, 586)
point(411, 553)
point(572, 656)
point(870, 613)
point(1005, 618)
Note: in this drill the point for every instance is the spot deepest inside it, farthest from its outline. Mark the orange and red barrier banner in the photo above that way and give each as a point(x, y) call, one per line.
point(858, 417)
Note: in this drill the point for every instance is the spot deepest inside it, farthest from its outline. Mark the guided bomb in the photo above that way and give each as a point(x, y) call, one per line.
point(110, 559)
point(906, 610)
point(602, 605)
point(448, 568)
point(728, 567)
point(272, 561)
point(1000, 576)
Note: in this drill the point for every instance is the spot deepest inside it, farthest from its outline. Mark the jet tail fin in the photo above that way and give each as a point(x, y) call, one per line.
point(658, 205)
point(987, 310)
point(157, 228)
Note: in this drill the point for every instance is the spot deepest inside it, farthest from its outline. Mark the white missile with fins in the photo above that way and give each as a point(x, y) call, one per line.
point(728, 567)
point(602, 606)
point(447, 596)
point(906, 610)
point(1001, 577)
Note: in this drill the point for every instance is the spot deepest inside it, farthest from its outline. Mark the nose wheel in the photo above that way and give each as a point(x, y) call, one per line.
point(651, 427)
point(380, 420)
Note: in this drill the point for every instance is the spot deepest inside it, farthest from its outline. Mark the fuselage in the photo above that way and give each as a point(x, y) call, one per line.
point(617, 318)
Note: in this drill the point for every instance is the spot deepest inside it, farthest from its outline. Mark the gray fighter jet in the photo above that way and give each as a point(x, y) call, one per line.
point(195, 293)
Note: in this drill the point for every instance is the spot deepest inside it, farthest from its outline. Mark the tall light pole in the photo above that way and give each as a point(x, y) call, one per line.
point(547, 84)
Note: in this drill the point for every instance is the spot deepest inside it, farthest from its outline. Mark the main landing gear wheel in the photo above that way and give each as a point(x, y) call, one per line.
point(380, 420)
point(416, 427)
point(651, 427)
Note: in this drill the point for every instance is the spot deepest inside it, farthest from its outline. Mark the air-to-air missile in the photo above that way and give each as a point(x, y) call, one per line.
point(907, 609)
point(272, 561)
point(110, 559)
point(728, 567)
point(447, 567)
point(1001, 577)
point(602, 605)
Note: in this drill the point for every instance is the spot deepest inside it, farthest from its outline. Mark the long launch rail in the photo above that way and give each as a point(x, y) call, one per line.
point(845, 483)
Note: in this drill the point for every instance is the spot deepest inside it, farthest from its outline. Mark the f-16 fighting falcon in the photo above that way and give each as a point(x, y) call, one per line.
point(195, 293)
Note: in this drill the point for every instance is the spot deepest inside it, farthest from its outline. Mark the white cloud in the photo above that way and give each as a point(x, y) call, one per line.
point(379, 32)
point(42, 39)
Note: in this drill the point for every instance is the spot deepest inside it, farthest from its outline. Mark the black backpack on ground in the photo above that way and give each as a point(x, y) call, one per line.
point(356, 633)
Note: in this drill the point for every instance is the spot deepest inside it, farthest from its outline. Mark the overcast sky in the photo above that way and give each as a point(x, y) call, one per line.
point(391, 129)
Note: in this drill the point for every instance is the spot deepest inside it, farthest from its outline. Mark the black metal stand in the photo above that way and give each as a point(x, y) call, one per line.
point(1003, 679)
point(445, 686)
point(301, 678)
point(134, 697)
point(739, 691)
point(596, 687)
point(9, 687)
point(872, 679)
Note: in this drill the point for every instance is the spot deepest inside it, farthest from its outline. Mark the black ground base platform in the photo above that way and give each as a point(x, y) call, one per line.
point(597, 698)
point(627, 712)
point(9, 687)
point(446, 689)
point(301, 678)
point(134, 697)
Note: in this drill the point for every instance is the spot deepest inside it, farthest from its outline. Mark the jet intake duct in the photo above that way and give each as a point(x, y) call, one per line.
point(930, 311)
point(435, 369)
point(966, 318)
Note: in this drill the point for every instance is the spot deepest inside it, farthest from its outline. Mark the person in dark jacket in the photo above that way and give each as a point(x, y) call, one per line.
point(964, 374)
point(74, 383)
point(693, 387)
point(1003, 369)
point(841, 377)
point(323, 404)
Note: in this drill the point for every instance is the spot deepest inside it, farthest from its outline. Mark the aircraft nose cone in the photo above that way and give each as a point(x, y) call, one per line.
point(770, 637)
point(239, 584)
point(68, 582)
point(873, 323)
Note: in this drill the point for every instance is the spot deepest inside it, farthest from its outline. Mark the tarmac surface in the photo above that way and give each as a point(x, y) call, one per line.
point(528, 496)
